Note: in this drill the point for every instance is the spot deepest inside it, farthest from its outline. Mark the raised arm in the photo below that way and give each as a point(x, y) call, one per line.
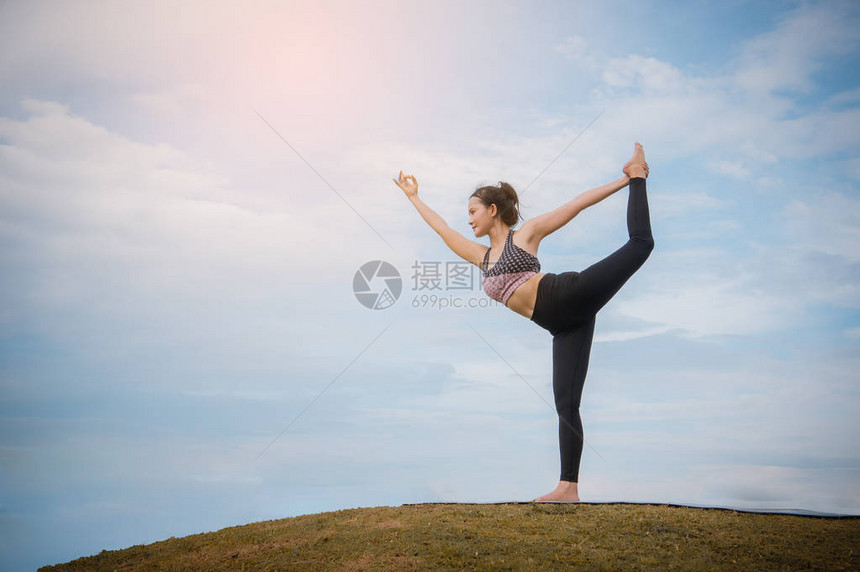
point(540, 226)
point(466, 249)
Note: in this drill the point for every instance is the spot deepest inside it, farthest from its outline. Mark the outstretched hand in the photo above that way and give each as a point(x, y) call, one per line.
point(408, 183)
point(626, 169)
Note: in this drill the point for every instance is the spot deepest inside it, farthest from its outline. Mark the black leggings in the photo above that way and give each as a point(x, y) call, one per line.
point(566, 306)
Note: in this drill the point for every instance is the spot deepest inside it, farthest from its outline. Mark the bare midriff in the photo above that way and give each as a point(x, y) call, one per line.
point(522, 301)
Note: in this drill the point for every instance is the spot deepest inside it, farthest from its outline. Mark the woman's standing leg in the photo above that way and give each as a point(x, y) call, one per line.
point(570, 353)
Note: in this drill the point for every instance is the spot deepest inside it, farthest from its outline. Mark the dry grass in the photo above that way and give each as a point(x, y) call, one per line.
point(506, 537)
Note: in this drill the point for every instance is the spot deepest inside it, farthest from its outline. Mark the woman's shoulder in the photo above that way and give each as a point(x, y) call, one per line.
point(525, 238)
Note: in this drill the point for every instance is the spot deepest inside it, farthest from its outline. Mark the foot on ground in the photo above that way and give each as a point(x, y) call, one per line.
point(565, 492)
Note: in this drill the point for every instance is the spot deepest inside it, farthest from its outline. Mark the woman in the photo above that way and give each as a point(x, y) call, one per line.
point(564, 304)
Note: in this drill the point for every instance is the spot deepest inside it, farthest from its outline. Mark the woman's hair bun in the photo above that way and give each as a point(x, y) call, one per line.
point(505, 198)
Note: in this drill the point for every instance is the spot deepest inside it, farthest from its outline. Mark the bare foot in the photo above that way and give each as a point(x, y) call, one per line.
point(566, 491)
point(638, 153)
point(636, 166)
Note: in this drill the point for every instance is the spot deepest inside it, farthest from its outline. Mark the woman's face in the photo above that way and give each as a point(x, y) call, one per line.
point(480, 217)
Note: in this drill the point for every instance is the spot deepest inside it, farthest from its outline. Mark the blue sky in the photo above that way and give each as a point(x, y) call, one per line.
point(177, 280)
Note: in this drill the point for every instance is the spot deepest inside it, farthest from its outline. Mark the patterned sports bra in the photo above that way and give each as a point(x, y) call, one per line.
point(513, 267)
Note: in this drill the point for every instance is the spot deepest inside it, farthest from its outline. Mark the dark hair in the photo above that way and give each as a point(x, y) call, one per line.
point(505, 198)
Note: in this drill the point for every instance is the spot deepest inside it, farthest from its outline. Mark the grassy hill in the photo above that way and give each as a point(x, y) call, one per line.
point(506, 536)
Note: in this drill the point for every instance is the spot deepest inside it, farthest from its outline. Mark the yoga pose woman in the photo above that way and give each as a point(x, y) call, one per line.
point(564, 304)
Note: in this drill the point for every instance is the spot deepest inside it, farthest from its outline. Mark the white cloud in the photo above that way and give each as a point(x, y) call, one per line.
point(724, 308)
point(115, 246)
point(753, 151)
point(706, 291)
point(575, 48)
point(827, 222)
point(676, 204)
point(626, 335)
point(847, 97)
point(173, 102)
point(740, 119)
point(76, 193)
point(647, 74)
point(787, 57)
point(717, 292)
point(736, 170)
